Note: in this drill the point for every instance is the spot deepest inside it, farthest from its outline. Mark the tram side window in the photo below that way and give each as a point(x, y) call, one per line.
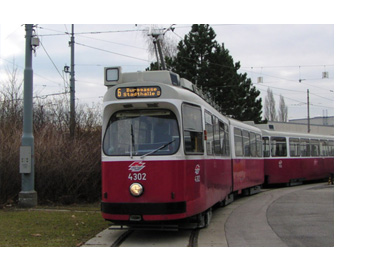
point(331, 148)
point(238, 142)
point(266, 146)
point(323, 147)
point(278, 147)
point(294, 147)
point(259, 145)
point(193, 129)
point(305, 147)
point(209, 131)
point(225, 141)
point(221, 137)
point(252, 145)
point(246, 143)
point(217, 146)
point(314, 147)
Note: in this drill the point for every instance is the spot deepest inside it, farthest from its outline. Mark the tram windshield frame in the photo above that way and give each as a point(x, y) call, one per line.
point(142, 133)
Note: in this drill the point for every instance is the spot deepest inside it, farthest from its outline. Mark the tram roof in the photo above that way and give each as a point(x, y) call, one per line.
point(236, 123)
point(295, 135)
point(173, 86)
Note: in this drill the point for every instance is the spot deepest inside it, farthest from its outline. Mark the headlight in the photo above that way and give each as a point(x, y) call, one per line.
point(136, 189)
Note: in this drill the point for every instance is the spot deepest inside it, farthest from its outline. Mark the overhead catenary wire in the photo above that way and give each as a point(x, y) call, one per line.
point(265, 90)
point(285, 79)
point(22, 68)
point(87, 34)
point(112, 42)
point(60, 33)
point(281, 78)
point(63, 78)
point(285, 66)
point(242, 67)
point(112, 52)
point(295, 100)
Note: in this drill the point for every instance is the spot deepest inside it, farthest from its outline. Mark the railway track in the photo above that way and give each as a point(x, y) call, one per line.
point(117, 237)
point(153, 238)
point(122, 238)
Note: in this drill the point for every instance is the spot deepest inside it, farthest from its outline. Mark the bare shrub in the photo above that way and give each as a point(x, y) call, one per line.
point(10, 179)
point(11, 104)
point(66, 170)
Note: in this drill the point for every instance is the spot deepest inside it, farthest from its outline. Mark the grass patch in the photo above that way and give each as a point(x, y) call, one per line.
point(50, 227)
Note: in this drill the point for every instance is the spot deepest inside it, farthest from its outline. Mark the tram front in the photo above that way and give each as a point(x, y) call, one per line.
point(142, 168)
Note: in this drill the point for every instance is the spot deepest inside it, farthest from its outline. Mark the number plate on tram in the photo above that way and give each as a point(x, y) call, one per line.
point(137, 92)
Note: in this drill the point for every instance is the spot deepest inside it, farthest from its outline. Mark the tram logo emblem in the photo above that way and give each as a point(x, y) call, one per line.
point(136, 166)
point(197, 169)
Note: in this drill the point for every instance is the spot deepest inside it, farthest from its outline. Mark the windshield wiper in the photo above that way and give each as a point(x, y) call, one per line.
point(158, 149)
point(132, 142)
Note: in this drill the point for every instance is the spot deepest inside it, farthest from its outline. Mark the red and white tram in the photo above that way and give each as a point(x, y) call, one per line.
point(167, 154)
point(292, 158)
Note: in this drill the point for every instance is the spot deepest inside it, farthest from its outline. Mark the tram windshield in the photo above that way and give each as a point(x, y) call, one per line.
point(141, 133)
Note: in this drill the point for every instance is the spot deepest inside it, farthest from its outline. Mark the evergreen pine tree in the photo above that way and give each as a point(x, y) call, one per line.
point(202, 60)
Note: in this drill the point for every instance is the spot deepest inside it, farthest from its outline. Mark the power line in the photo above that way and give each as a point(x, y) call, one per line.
point(53, 62)
point(41, 97)
point(92, 32)
point(290, 80)
point(54, 94)
point(321, 97)
point(99, 49)
point(117, 43)
point(83, 34)
point(21, 67)
point(292, 90)
point(133, 30)
point(285, 66)
point(298, 101)
point(299, 91)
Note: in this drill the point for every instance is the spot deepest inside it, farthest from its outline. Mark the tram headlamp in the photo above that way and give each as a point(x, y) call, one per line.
point(136, 189)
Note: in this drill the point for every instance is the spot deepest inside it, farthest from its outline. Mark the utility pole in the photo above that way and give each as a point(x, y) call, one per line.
point(309, 129)
point(28, 196)
point(72, 85)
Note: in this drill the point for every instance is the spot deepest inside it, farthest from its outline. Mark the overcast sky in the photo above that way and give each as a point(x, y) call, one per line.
point(281, 45)
point(280, 54)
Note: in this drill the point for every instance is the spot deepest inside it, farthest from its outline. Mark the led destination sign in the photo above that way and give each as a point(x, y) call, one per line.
point(137, 92)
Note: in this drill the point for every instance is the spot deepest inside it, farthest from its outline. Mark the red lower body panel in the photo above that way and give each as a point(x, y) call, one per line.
point(247, 173)
point(285, 170)
point(172, 189)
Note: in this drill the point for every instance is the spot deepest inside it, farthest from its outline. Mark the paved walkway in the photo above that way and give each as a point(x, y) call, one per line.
point(294, 216)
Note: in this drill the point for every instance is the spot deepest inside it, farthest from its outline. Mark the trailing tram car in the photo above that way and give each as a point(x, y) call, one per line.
point(293, 158)
point(247, 158)
point(165, 151)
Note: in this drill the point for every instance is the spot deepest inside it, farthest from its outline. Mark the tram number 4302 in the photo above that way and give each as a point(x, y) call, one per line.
point(137, 176)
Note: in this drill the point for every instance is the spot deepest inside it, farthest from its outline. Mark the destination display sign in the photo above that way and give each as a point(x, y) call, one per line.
point(138, 92)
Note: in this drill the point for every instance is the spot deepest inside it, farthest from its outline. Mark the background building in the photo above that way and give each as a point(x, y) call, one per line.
point(318, 125)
